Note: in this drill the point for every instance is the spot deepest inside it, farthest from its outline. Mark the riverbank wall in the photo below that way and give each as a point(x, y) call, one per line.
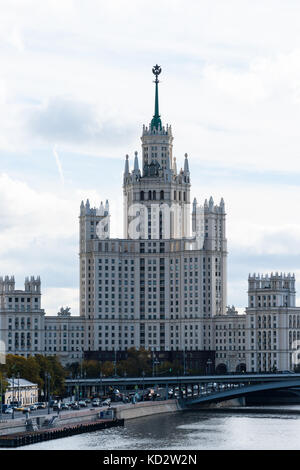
point(19, 425)
point(66, 418)
point(147, 408)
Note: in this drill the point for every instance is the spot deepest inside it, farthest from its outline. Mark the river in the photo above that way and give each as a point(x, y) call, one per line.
point(190, 430)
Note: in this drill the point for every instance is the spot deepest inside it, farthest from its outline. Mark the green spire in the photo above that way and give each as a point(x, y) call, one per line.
point(156, 121)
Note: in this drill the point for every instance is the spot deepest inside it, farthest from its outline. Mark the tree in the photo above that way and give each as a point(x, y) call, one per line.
point(34, 369)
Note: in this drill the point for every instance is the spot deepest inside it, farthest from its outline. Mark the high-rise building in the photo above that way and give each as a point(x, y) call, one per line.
point(163, 286)
point(155, 287)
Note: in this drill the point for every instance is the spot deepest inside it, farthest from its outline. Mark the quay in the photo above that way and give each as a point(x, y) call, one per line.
point(32, 437)
point(17, 433)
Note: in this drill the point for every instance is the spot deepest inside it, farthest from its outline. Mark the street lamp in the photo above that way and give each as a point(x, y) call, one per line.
point(19, 389)
point(101, 388)
point(155, 362)
point(84, 385)
point(78, 387)
point(208, 366)
point(13, 397)
point(143, 374)
point(1, 404)
point(115, 364)
point(184, 362)
point(47, 387)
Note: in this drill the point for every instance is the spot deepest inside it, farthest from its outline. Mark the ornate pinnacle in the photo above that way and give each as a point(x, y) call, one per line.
point(156, 121)
point(156, 69)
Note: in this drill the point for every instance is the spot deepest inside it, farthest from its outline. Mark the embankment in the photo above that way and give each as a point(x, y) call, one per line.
point(147, 408)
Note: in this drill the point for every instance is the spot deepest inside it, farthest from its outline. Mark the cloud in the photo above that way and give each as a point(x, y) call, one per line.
point(231, 95)
point(39, 236)
point(55, 297)
point(70, 121)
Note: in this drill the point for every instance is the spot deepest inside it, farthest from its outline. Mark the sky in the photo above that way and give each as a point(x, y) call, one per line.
point(76, 88)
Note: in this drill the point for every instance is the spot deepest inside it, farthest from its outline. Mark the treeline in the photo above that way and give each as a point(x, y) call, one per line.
point(34, 369)
point(139, 362)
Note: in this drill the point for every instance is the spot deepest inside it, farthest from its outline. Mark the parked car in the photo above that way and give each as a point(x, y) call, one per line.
point(5, 406)
point(75, 406)
point(64, 406)
point(96, 402)
point(24, 409)
point(8, 411)
point(33, 407)
point(41, 405)
point(82, 403)
point(56, 406)
point(18, 408)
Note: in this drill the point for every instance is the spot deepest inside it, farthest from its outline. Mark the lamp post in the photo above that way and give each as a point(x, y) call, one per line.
point(115, 364)
point(208, 366)
point(78, 390)
point(84, 385)
point(1, 404)
point(19, 389)
point(101, 387)
point(13, 396)
point(143, 375)
point(47, 381)
point(154, 363)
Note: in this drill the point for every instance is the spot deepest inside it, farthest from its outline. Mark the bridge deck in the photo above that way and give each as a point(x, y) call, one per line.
point(239, 391)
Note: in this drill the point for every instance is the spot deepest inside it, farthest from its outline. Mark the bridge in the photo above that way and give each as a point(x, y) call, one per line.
point(218, 393)
point(190, 390)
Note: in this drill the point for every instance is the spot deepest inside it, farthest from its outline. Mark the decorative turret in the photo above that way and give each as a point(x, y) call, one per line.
point(7, 284)
point(101, 209)
point(271, 290)
point(126, 171)
point(106, 209)
point(222, 205)
point(82, 208)
point(194, 204)
point(174, 166)
point(33, 285)
point(136, 163)
point(186, 165)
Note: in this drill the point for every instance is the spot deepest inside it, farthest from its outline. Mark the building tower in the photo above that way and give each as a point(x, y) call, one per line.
point(156, 288)
point(158, 193)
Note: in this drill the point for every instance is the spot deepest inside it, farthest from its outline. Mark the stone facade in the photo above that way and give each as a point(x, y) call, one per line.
point(21, 391)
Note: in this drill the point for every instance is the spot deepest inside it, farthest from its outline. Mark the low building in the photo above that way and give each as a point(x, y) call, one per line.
point(21, 391)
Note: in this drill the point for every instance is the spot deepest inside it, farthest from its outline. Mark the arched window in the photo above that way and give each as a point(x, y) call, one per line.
point(161, 195)
point(154, 195)
point(142, 195)
point(149, 196)
point(174, 195)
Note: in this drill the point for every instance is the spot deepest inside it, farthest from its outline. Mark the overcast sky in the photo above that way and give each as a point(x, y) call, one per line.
point(75, 89)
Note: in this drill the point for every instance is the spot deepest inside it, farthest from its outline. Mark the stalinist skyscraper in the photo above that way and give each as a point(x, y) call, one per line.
point(159, 287)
